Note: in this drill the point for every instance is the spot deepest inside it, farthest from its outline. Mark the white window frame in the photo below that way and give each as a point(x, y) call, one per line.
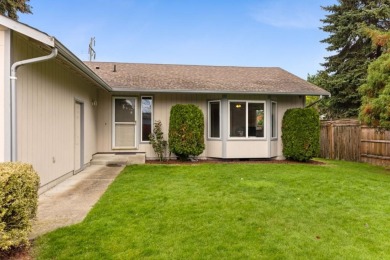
point(124, 123)
point(274, 121)
point(246, 137)
point(209, 120)
point(151, 118)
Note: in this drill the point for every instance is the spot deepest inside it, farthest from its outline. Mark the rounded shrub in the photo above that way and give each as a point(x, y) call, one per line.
point(18, 203)
point(301, 134)
point(186, 131)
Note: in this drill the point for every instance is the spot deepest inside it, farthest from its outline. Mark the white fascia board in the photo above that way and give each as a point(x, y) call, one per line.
point(81, 66)
point(27, 30)
point(182, 91)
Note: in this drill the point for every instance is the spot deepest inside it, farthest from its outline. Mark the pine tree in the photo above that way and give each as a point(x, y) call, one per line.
point(375, 108)
point(353, 50)
point(10, 8)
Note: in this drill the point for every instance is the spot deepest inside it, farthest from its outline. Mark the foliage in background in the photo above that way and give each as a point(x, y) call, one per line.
point(301, 134)
point(375, 109)
point(157, 140)
point(346, 69)
point(10, 8)
point(320, 79)
point(18, 203)
point(186, 131)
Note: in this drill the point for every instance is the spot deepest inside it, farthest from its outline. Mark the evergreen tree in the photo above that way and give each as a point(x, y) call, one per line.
point(10, 8)
point(375, 108)
point(353, 50)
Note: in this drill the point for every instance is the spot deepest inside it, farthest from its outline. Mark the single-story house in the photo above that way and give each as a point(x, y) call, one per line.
point(58, 112)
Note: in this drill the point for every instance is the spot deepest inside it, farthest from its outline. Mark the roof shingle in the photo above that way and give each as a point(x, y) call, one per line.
point(209, 79)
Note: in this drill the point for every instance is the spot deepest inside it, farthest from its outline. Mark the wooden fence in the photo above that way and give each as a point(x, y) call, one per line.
point(348, 140)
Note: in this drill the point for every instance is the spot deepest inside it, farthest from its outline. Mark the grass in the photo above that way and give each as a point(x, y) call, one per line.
point(339, 210)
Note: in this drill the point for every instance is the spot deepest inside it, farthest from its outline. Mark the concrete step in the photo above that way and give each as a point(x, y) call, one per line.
point(119, 159)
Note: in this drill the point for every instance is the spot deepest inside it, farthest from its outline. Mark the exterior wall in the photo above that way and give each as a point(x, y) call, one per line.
point(162, 106)
point(5, 151)
point(284, 103)
point(2, 95)
point(247, 149)
point(218, 148)
point(214, 149)
point(46, 96)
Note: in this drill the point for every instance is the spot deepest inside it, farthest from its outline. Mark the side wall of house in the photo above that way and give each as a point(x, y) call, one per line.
point(2, 94)
point(5, 151)
point(224, 147)
point(46, 96)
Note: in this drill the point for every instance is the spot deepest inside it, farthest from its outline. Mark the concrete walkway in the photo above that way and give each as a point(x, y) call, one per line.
point(70, 201)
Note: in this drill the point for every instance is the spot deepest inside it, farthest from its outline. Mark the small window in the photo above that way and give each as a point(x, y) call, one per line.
point(214, 119)
point(146, 118)
point(274, 120)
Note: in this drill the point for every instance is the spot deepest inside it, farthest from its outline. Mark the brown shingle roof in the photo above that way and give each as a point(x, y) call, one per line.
point(193, 78)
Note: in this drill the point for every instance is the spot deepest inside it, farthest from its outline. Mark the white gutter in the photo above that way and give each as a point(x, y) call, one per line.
point(13, 78)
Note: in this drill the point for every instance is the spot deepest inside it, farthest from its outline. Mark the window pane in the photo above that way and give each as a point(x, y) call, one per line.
point(146, 109)
point(214, 120)
point(237, 119)
point(124, 110)
point(256, 120)
point(274, 122)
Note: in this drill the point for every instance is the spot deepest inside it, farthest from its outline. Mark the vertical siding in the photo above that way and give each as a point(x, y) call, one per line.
point(2, 95)
point(46, 94)
point(284, 103)
point(162, 107)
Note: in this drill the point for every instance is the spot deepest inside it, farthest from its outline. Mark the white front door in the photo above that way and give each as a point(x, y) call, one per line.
point(124, 123)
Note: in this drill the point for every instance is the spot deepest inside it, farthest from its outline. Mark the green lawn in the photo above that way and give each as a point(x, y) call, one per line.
point(339, 210)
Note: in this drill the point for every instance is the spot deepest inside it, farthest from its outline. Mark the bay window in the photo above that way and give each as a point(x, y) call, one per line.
point(246, 119)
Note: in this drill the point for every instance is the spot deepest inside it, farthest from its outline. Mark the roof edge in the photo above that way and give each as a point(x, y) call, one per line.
point(27, 30)
point(119, 89)
point(75, 61)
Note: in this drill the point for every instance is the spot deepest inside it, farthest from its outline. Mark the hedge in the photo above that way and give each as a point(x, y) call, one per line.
point(186, 131)
point(19, 185)
point(301, 134)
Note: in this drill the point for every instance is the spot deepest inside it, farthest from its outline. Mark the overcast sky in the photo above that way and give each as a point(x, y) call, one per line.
point(270, 33)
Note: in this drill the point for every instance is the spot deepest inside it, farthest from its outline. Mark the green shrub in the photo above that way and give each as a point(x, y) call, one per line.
point(18, 203)
point(157, 140)
point(186, 131)
point(301, 134)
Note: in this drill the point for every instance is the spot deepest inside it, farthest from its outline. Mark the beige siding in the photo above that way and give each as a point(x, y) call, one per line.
point(247, 149)
point(3, 79)
point(284, 103)
point(214, 148)
point(46, 96)
point(161, 111)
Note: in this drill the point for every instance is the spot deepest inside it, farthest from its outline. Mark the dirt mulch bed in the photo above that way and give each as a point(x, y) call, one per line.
point(18, 253)
point(253, 161)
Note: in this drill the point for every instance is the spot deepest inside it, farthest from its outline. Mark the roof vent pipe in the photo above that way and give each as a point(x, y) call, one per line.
point(114, 68)
point(13, 78)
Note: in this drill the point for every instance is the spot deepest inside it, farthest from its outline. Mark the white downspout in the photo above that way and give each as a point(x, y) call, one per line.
point(13, 78)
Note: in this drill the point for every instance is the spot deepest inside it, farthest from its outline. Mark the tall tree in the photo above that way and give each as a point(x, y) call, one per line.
point(11, 8)
point(375, 108)
point(352, 50)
